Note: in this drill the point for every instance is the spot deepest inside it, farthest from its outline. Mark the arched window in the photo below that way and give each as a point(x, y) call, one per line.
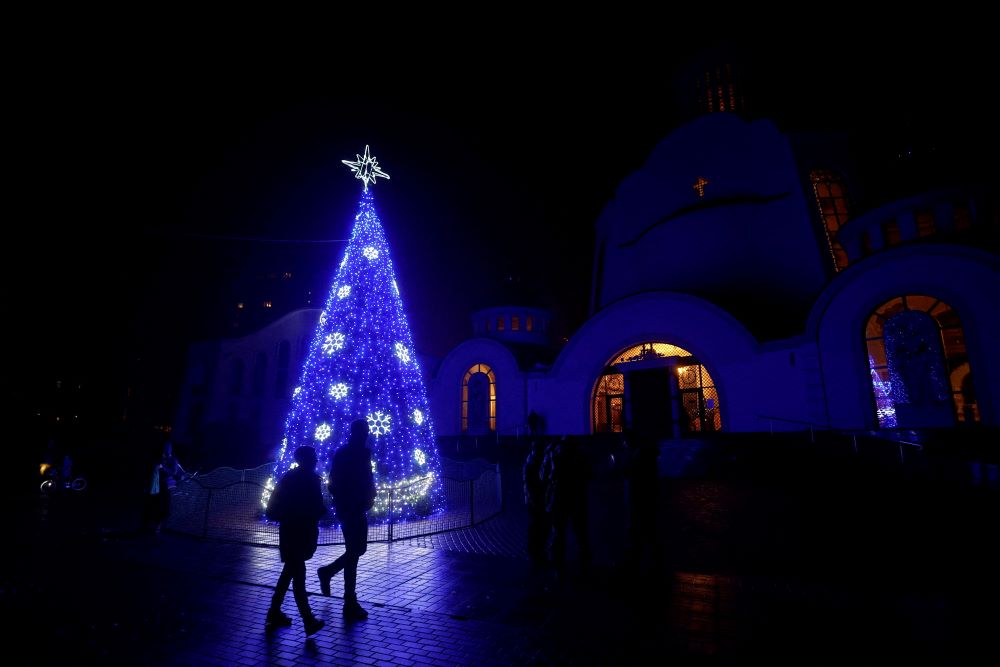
point(831, 199)
point(634, 391)
point(236, 377)
point(963, 217)
point(925, 222)
point(866, 244)
point(919, 365)
point(259, 372)
point(890, 234)
point(479, 400)
point(609, 403)
point(281, 373)
point(699, 399)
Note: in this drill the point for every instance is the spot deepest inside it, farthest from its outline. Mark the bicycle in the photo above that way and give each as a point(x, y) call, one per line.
point(53, 484)
point(183, 477)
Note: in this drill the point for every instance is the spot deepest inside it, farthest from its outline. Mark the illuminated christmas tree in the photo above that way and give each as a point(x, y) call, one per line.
point(362, 364)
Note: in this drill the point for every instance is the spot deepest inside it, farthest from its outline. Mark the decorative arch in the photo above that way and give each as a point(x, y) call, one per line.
point(920, 370)
point(645, 383)
point(479, 400)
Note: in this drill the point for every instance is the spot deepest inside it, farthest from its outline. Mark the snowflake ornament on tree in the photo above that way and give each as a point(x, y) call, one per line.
point(402, 353)
point(323, 432)
point(379, 423)
point(333, 342)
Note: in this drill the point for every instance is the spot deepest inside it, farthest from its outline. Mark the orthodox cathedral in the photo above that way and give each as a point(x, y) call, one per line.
point(736, 286)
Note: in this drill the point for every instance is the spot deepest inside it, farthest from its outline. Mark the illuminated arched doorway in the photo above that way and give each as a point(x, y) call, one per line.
point(919, 365)
point(479, 400)
point(657, 389)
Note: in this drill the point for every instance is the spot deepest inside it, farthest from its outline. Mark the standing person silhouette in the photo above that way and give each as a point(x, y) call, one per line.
point(171, 469)
point(165, 470)
point(534, 424)
point(643, 497)
point(567, 472)
point(352, 488)
point(297, 503)
point(534, 498)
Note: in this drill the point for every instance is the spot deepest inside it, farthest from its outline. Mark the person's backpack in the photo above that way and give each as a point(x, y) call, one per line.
point(275, 507)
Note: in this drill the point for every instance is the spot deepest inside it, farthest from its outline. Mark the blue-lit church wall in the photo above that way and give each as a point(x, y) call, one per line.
point(563, 395)
point(715, 246)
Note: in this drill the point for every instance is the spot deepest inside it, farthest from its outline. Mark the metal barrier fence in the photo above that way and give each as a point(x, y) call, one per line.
point(225, 504)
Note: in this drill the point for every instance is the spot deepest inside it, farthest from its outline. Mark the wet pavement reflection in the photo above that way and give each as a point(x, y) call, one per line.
point(796, 570)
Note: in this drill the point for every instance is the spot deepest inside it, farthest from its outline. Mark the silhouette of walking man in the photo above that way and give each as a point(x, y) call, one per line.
point(352, 487)
point(643, 495)
point(297, 503)
point(567, 472)
point(534, 498)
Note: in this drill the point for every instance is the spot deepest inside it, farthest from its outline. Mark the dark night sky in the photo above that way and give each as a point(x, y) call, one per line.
point(500, 167)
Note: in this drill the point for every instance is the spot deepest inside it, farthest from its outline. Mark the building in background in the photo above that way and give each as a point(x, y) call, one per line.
point(744, 278)
point(742, 281)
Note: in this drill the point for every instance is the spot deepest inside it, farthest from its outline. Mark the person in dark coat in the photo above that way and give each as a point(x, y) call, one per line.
point(352, 488)
point(534, 498)
point(534, 424)
point(297, 504)
point(567, 474)
point(643, 496)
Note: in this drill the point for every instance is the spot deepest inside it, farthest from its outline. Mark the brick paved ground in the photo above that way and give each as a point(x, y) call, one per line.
point(823, 572)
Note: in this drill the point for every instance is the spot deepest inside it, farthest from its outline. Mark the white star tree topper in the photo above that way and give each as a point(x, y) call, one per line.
point(366, 168)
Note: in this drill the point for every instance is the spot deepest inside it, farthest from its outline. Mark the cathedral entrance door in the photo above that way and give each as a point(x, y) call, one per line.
point(649, 398)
